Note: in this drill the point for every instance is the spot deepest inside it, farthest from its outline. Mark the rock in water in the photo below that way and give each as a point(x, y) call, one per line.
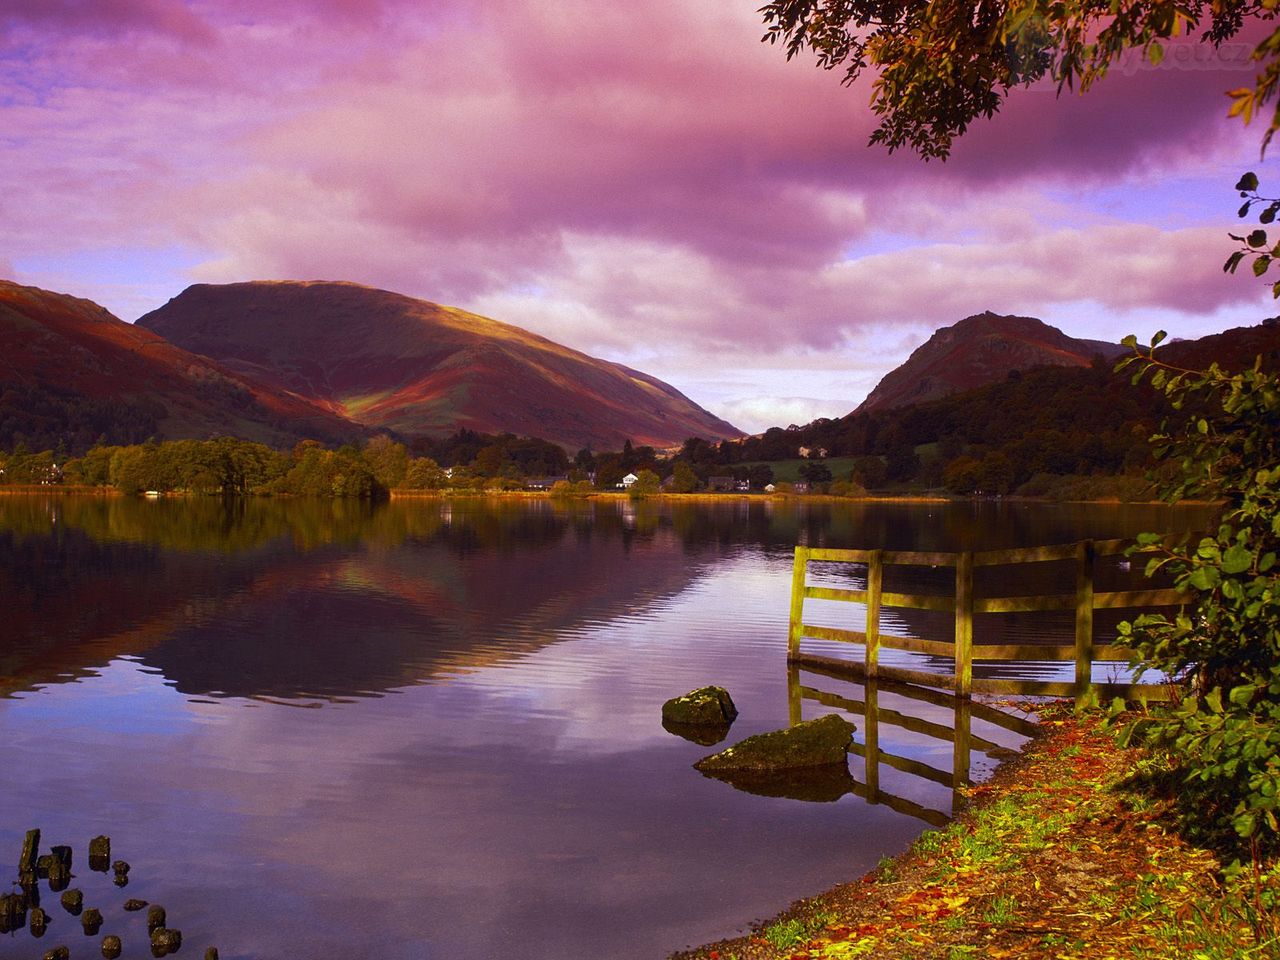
point(111, 947)
point(155, 918)
point(58, 953)
point(211, 954)
point(39, 922)
point(707, 705)
point(133, 904)
point(91, 920)
point(814, 743)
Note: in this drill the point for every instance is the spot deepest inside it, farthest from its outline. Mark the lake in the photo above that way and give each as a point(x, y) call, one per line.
point(430, 728)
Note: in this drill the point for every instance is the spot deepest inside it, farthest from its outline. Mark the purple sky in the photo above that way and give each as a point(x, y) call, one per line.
point(645, 181)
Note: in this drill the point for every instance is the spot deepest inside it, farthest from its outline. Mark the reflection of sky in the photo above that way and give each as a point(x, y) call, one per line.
point(516, 797)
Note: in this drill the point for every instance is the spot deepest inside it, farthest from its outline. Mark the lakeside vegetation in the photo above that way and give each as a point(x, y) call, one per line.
point(1065, 854)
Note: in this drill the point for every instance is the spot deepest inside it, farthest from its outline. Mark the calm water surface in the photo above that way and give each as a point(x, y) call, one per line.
point(431, 729)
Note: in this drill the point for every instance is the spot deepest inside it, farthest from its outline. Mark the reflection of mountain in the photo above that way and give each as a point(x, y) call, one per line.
point(331, 599)
point(405, 601)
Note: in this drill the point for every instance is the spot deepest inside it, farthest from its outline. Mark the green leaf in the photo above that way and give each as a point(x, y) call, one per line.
point(1261, 264)
point(1248, 181)
point(1237, 559)
point(1204, 578)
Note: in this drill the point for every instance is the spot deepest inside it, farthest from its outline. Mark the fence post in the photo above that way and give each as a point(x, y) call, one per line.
point(875, 583)
point(1084, 620)
point(798, 576)
point(964, 624)
point(961, 753)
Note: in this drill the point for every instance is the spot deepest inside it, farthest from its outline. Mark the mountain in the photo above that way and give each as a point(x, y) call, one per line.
point(976, 351)
point(389, 361)
point(72, 371)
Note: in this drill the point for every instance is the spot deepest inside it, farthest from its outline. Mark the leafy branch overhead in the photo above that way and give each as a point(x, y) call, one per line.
point(1255, 243)
point(938, 66)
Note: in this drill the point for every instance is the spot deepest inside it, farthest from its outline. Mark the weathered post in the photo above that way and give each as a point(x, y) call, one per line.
point(798, 576)
point(962, 751)
point(875, 585)
point(964, 624)
point(1084, 621)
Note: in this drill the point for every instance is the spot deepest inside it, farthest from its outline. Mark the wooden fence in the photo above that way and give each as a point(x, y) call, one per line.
point(1083, 600)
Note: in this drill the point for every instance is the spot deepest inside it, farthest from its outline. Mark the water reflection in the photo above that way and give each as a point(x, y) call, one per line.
point(913, 716)
point(487, 775)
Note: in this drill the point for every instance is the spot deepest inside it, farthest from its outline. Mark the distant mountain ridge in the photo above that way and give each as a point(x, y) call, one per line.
point(388, 361)
point(71, 372)
point(978, 350)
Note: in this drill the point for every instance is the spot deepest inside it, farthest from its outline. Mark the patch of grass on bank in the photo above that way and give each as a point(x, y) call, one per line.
point(1056, 859)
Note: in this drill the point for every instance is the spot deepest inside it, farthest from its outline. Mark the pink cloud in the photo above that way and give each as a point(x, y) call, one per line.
point(622, 176)
point(169, 17)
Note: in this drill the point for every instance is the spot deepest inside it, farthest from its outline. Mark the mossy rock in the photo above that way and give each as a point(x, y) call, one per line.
point(706, 706)
point(823, 742)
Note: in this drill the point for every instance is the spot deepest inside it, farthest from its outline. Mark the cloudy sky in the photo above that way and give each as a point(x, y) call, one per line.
point(643, 181)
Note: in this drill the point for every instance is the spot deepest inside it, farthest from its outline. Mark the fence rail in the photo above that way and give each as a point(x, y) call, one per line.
point(1083, 600)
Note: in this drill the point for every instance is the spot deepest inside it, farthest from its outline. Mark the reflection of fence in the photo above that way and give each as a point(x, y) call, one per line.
point(959, 734)
point(1084, 600)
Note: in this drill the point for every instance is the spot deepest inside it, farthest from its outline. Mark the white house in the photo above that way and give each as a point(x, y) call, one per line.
point(628, 480)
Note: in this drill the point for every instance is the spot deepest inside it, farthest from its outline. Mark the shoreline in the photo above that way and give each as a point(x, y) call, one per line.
point(1050, 859)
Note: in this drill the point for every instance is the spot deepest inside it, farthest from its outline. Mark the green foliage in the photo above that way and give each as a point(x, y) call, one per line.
point(940, 66)
point(1225, 643)
point(684, 480)
point(646, 484)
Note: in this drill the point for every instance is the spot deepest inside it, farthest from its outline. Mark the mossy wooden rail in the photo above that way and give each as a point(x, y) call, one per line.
point(1083, 600)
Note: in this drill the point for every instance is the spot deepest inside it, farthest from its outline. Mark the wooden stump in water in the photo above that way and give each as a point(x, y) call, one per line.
point(100, 853)
point(30, 853)
point(91, 920)
point(155, 918)
point(73, 901)
point(13, 912)
point(165, 941)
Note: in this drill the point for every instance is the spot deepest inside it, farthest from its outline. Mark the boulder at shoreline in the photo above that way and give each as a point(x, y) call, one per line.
point(814, 743)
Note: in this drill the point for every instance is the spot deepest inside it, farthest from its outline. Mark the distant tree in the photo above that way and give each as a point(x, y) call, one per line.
point(816, 472)
point(423, 473)
point(647, 483)
point(387, 459)
point(684, 480)
point(869, 472)
point(961, 475)
point(760, 475)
